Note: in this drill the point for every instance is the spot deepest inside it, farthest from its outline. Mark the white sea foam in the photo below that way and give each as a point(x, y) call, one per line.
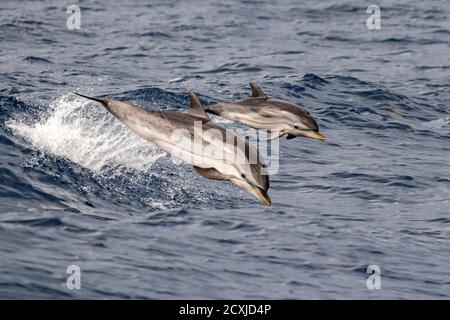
point(438, 123)
point(219, 120)
point(88, 135)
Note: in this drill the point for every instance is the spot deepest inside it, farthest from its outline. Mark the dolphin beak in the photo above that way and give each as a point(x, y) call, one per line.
point(313, 135)
point(261, 195)
point(255, 191)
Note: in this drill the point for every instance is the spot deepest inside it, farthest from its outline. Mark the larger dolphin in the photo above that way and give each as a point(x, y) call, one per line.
point(214, 152)
point(262, 112)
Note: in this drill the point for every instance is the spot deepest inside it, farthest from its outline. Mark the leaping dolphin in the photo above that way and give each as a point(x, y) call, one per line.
point(262, 112)
point(214, 152)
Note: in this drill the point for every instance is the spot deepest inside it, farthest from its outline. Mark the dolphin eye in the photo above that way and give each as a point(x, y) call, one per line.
point(243, 175)
point(296, 127)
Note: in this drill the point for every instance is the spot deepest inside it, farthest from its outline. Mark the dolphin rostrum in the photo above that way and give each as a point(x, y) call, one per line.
point(214, 152)
point(262, 112)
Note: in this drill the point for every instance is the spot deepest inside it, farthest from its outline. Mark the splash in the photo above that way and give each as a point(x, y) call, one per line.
point(219, 120)
point(86, 134)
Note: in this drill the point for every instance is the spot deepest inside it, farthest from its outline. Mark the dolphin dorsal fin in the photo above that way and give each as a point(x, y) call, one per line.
point(256, 91)
point(196, 106)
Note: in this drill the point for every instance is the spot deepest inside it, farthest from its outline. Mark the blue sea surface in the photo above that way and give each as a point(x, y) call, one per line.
point(78, 188)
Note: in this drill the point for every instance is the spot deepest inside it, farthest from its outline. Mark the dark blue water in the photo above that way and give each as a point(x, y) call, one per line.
point(76, 187)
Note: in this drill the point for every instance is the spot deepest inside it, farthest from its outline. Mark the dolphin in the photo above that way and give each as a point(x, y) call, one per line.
point(262, 112)
point(214, 152)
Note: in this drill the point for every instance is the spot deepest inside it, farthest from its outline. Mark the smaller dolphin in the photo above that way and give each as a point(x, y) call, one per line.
point(214, 152)
point(262, 112)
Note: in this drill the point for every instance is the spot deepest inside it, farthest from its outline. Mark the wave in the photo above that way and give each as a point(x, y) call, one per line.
point(86, 135)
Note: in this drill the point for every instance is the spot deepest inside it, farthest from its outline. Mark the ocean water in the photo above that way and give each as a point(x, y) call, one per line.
point(78, 188)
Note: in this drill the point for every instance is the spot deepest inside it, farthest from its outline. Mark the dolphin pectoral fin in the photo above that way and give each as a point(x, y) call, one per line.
point(103, 102)
point(209, 173)
point(213, 111)
point(196, 106)
point(290, 136)
point(256, 91)
point(274, 135)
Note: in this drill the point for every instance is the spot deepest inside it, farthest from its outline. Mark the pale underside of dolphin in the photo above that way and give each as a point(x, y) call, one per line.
point(214, 152)
point(261, 112)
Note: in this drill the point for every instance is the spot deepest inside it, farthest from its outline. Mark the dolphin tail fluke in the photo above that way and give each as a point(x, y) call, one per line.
point(103, 102)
